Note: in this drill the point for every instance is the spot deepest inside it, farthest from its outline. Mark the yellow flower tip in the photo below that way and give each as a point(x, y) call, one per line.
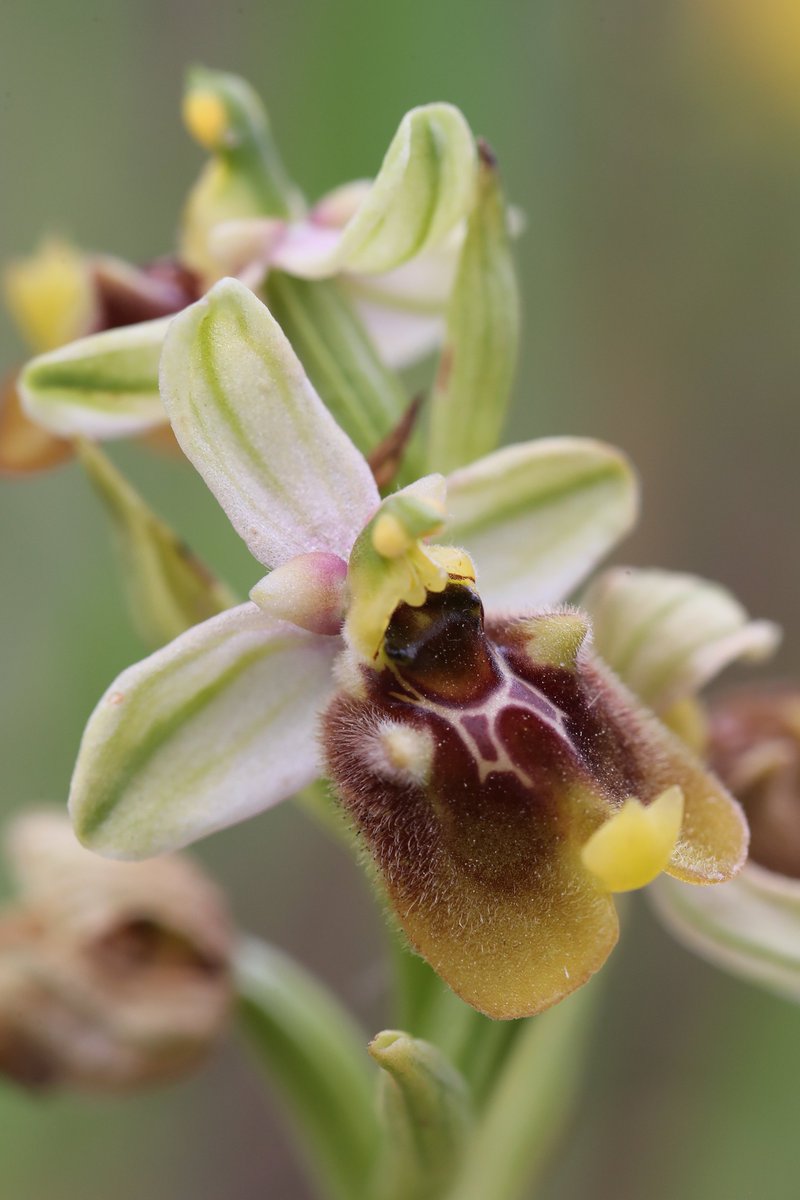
point(51, 295)
point(389, 537)
point(206, 118)
point(636, 843)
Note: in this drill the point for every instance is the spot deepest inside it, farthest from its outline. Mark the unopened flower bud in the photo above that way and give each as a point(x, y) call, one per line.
point(112, 975)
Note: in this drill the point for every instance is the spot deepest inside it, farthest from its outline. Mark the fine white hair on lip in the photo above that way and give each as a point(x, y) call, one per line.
point(401, 752)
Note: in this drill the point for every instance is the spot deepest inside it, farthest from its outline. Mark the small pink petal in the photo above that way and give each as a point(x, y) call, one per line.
point(308, 590)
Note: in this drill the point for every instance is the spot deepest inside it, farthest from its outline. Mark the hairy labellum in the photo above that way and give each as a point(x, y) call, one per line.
point(476, 762)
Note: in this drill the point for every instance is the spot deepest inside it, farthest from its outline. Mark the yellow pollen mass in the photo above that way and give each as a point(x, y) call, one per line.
point(389, 537)
point(635, 845)
point(206, 118)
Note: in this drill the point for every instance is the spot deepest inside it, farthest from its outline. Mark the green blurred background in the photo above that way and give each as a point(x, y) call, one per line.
point(656, 151)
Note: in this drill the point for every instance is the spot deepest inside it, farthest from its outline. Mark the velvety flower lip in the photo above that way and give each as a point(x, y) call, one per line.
point(222, 722)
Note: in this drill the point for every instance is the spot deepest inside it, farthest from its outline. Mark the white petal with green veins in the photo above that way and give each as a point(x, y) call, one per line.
point(102, 386)
point(538, 517)
point(424, 188)
point(749, 926)
point(209, 730)
point(248, 418)
point(667, 634)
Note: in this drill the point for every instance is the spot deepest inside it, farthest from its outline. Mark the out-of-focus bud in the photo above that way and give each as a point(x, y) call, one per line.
point(112, 975)
point(244, 178)
point(752, 924)
point(168, 588)
point(479, 357)
point(425, 1114)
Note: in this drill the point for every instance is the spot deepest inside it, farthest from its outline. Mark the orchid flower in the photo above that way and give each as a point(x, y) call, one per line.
point(751, 926)
point(60, 295)
point(396, 260)
point(386, 251)
point(667, 635)
point(503, 782)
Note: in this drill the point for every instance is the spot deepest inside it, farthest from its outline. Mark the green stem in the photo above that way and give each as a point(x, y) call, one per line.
point(316, 1059)
point(416, 987)
point(528, 1104)
point(484, 1051)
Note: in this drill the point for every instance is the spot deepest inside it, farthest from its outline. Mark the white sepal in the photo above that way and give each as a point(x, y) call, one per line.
point(209, 730)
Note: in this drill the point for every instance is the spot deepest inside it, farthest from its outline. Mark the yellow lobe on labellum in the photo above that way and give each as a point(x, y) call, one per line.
point(206, 118)
point(635, 845)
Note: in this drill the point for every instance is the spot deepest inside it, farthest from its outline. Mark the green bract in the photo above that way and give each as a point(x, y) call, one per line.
point(168, 588)
point(479, 356)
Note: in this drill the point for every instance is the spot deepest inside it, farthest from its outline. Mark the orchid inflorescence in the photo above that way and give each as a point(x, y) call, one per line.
point(507, 745)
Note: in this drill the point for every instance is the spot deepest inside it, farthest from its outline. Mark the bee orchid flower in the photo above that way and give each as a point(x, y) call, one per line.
point(502, 781)
point(384, 252)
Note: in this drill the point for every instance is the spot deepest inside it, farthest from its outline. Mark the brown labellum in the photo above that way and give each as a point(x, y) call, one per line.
point(476, 763)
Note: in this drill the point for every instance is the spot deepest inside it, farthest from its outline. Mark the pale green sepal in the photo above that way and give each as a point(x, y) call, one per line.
point(426, 1116)
point(314, 1058)
point(749, 926)
point(102, 386)
point(318, 318)
point(667, 634)
point(538, 517)
point(167, 587)
point(425, 186)
point(209, 730)
point(479, 356)
point(246, 415)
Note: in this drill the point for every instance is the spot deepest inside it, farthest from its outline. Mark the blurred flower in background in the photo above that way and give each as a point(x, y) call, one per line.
point(112, 975)
point(759, 39)
point(751, 926)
